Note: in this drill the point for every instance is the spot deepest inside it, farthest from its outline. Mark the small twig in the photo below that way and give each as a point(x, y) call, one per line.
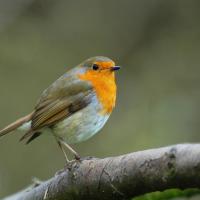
point(46, 193)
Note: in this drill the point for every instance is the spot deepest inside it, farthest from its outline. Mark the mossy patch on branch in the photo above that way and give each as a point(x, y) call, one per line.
point(170, 194)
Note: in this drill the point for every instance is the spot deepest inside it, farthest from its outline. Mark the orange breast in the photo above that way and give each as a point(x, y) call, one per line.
point(105, 87)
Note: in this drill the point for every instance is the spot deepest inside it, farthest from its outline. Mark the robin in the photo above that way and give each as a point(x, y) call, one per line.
point(75, 107)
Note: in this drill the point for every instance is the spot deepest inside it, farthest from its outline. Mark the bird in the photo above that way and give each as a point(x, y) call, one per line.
point(74, 107)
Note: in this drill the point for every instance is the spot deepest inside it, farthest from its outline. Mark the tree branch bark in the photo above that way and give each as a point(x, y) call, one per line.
point(121, 177)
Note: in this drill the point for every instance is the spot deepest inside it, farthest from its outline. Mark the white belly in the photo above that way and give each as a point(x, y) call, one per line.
point(81, 125)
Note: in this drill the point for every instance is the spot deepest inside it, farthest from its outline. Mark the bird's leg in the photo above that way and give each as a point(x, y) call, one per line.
point(62, 149)
point(76, 155)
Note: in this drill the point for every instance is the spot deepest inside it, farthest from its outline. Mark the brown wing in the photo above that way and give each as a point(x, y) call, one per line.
point(59, 109)
point(64, 97)
point(56, 111)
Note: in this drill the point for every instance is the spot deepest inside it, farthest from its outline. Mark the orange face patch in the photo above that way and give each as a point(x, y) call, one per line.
point(104, 86)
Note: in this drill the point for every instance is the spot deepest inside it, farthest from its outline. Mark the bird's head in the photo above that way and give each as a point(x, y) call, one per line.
point(100, 66)
point(100, 72)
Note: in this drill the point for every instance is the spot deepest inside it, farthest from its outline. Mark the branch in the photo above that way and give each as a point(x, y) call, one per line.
point(122, 177)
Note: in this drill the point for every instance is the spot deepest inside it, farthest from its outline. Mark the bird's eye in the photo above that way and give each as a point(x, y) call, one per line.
point(95, 67)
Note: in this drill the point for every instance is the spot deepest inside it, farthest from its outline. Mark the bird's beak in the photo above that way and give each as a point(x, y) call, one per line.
point(115, 68)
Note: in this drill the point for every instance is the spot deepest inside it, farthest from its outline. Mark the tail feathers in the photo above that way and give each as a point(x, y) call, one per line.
point(26, 135)
point(34, 135)
point(16, 124)
point(31, 135)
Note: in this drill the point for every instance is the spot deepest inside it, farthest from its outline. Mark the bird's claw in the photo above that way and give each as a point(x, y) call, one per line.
point(77, 157)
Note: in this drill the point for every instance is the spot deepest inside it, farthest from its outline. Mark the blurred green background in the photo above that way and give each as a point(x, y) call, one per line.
point(156, 41)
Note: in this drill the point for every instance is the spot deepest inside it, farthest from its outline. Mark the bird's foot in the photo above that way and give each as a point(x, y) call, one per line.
point(69, 164)
point(72, 164)
point(77, 157)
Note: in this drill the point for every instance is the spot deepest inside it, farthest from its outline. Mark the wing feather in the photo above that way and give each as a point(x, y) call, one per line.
point(60, 108)
point(64, 97)
point(52, 109)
